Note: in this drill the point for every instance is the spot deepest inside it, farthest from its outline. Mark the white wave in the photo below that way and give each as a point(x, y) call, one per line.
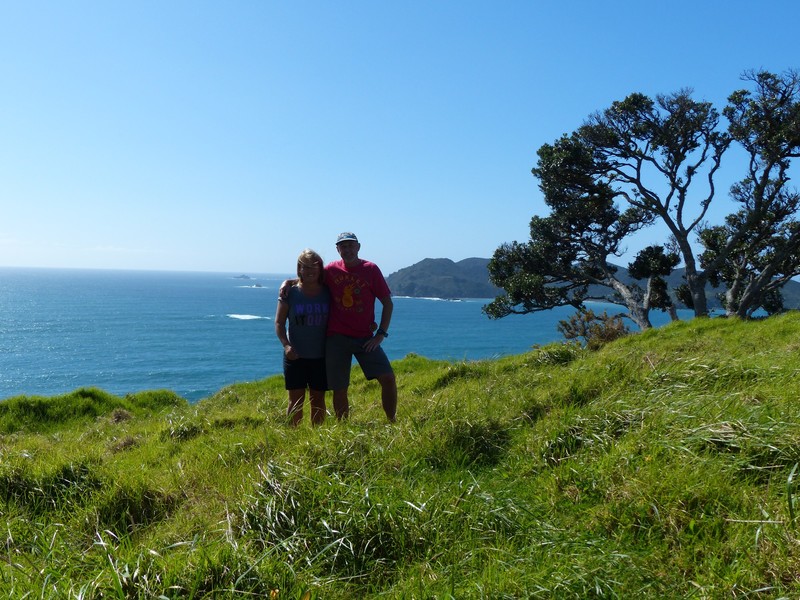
point(433, 298)
point(246, 317)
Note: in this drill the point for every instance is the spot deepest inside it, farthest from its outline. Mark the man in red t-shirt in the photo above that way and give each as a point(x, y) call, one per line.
point(354, 285)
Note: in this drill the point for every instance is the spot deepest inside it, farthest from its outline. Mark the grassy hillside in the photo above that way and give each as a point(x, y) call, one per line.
point(662, 466)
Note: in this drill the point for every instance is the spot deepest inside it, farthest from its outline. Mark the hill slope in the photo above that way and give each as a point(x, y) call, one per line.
point(662, 466)
point(443, 278)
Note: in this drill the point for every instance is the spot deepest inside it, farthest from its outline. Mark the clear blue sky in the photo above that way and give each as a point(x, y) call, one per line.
point(228, 136)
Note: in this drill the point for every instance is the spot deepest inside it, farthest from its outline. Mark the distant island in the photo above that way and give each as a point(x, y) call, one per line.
point(469, 278)
point(444, 278)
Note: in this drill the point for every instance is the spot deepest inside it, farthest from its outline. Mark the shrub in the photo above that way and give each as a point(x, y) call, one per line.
point(595, 330)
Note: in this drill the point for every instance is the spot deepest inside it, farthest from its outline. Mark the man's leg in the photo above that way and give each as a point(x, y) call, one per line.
point(338, 359)
point(389, 395)
point(341, 404)
point(375, 365)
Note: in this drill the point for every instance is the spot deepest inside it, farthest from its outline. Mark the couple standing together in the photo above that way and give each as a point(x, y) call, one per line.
point(330, 312)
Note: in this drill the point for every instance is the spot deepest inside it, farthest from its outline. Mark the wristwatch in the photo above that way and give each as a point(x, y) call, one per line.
point(382, 332)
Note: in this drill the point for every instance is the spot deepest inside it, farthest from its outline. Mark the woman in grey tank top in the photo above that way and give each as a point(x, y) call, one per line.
point(305, 310)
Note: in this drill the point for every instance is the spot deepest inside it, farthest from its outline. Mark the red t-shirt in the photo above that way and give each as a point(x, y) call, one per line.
point(353, 294)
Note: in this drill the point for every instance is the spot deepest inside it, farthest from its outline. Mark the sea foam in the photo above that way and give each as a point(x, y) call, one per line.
point(246, 317)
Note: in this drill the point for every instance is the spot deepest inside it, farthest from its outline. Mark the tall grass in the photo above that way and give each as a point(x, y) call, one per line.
point(662, 465)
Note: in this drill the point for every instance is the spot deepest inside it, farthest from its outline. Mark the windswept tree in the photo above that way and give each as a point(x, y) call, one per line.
point(651, 265)
point(639, 152)
point(757, 249)
point(661, 157)
point(645, 161)
point(566, 261)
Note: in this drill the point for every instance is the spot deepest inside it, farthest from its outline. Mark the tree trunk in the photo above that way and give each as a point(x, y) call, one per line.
point(636, 311)
point(673, 313)
point(697, 288)
point(694, 280)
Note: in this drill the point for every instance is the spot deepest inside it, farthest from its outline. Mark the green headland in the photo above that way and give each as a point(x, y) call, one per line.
point(663, 465)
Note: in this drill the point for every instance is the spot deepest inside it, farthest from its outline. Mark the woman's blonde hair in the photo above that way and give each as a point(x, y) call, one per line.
point(309, 257)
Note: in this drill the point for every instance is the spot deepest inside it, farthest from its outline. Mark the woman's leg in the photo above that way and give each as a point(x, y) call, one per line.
point(318, 410)
point(295, 409)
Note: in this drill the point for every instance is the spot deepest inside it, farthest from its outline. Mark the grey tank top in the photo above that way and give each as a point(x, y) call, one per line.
point(308, 322)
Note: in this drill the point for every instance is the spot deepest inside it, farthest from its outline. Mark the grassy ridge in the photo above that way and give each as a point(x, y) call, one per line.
point(663, 465)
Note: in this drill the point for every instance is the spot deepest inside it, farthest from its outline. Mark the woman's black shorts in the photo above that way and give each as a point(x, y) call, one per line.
point(303, 373)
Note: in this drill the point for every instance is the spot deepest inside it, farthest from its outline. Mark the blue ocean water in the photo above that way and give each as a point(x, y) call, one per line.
point(195, 333)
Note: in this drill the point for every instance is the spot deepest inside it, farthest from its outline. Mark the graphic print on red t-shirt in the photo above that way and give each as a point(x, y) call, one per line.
point(354, 291)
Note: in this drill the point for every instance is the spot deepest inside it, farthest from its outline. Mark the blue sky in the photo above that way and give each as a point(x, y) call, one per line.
point(228, 136)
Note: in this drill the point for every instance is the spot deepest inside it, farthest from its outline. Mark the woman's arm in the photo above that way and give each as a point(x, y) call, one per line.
point(281, 314)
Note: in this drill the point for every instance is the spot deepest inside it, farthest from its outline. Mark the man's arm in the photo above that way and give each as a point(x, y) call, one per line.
point(386, 313)
point(283, 292)
point(386, 319)
point(287, 284)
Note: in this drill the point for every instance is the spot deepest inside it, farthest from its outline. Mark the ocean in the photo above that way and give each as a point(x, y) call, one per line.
point(195, 333)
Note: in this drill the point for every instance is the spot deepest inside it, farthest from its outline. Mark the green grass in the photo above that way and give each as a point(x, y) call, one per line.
point(662, 466)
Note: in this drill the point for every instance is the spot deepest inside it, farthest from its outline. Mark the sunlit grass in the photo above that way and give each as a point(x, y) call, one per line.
point(662, 465)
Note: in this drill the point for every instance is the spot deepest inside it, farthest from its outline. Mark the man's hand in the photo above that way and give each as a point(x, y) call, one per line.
point(283, 292)
point(373, 342)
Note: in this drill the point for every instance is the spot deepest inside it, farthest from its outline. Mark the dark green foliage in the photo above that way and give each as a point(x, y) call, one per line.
point(558, 354)
point(38, 413)
point(595, 330)
point(653, 260)
point(244, 422)
point(597, 432)
point(154, 400)
point(468, 444)
point(365, 532)
point(124, 509)
point(182, 430)
point(461, 370)
point(359, 535)
point(746, 446)
point(56, 490)
point(653, 264)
